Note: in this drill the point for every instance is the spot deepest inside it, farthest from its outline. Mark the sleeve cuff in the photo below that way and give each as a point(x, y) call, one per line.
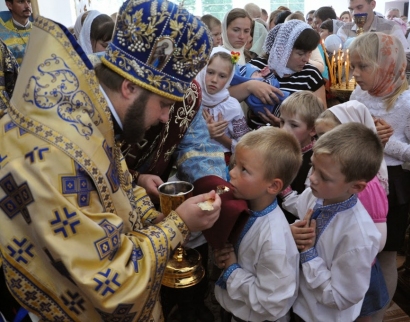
point(286, 192)
point(308, 255)
point(221, 282)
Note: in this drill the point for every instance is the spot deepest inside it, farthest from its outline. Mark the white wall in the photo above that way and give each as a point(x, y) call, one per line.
point(62, 11)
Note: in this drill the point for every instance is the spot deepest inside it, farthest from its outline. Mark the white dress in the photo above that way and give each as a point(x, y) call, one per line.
point(397, 149)
point(264, 283)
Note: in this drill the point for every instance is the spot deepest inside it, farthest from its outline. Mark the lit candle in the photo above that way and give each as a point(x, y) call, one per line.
point(329, 66)
point(340, 68)
point(347, 65)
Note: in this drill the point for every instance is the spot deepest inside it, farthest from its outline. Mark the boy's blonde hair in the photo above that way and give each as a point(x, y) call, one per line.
point(280, 151)
point(304, 104)
point(210, 21)
point(355, 147)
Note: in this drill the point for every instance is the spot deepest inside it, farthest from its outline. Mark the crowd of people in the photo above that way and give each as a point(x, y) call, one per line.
point(95, 117)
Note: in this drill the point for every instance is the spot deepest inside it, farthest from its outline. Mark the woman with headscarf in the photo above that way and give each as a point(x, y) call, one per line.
point(96, 32)
point(379, 63)
point(289, 46)
point(236, 30)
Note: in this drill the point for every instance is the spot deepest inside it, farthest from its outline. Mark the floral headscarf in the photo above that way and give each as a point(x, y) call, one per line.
point(392, 62)
point(282, 41)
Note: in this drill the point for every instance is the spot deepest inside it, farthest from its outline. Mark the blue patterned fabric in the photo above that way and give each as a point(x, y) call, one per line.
point(324, 214)
point(197, 156)
point(154, 40)
point(221, 282)
point(254, 103)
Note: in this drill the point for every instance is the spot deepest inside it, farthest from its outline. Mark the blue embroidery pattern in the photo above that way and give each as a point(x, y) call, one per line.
point(325, 214)
point(79, 184)
point(74, 302)
point(31, 155)
point(221, 282)
point(25, 289)
point(71, 220)
point(55, 85)
point(17, 198)
point(120, 314)
point(108, 246)
point(11, 125)
point(251, 221)
point(308, 255)
point(136, 255)
point(21, 250)
point(107, 284)
point(112, 173)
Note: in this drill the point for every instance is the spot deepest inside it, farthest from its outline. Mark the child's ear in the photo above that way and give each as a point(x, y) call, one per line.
point(312, 132)
point(275, 186)
point(358, 186)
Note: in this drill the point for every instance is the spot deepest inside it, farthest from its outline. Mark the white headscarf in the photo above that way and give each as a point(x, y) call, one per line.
point(209, 100)
point(354, 111)
point(84, 39)
point(259, 36)
point(78, 25)
point(226, 44)
point(282, 41)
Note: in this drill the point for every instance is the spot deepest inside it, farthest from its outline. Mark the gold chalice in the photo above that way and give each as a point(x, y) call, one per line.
point(360, 19)
point(184, 268)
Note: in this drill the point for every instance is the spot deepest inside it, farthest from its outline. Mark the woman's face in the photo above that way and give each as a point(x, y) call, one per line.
point(298, 59)
point(345, 18)
point(99, 45)
point(324, 33)
point(238, 32)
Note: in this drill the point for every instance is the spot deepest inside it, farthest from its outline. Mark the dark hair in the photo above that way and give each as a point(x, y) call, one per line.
point(327, 25)
point(102, 28)
point(264, 12)
point(324, 13)
point(108, 77)
point(308, 40)
point(280, 18)
point(237, 13)
point(311, 12)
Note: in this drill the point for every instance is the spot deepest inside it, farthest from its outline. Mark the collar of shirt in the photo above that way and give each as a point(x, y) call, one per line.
point(20, 26)
point(112, 109)
point(254, 215)
point(324, 214)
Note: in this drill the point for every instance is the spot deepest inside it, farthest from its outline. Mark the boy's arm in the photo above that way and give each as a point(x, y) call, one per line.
point(267, 293)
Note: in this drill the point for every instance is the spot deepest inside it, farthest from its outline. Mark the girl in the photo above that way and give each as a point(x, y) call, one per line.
point(223, 113)
point(373, 198)
point(96, 32)
point(379, 64)
point(345, 16)
point(214, 25)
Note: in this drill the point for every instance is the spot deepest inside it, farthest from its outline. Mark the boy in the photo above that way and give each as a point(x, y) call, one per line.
point(341, 241)
point(260, 278)
point(298, 114)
